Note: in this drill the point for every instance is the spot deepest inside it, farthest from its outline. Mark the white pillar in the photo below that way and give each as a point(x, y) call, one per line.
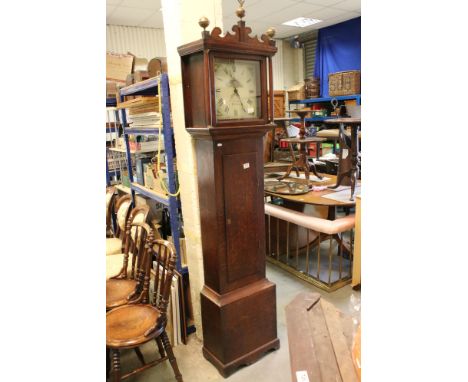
point(180, 27)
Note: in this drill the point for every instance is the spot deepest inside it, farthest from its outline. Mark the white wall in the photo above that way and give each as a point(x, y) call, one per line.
point(142, 42)
point(277, 63)
point(293, 65)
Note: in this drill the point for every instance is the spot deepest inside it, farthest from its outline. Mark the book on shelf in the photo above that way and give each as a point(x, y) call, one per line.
point(145, 120)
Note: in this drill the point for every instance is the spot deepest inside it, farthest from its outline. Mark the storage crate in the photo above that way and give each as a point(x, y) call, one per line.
point(344, 83)
point(296, 92)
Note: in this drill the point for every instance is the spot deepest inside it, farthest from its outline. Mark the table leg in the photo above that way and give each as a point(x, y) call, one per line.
point(272, 145)
point(354, 159)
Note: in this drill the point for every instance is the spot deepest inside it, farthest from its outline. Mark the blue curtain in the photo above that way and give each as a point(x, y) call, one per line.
point(338, 49)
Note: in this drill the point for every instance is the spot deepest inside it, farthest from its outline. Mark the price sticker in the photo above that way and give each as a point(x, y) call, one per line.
point(301, 376)
point(246, 165)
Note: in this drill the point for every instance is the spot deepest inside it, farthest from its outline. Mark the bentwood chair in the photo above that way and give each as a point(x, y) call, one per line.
point(122, 208)
point(127, 286)
point(110, 199)
point(114, 259)
point(130, 326)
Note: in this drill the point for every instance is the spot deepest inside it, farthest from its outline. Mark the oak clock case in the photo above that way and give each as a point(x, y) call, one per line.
point(238, 303)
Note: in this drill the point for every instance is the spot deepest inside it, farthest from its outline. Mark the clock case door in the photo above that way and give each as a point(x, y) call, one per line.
point(263, 120)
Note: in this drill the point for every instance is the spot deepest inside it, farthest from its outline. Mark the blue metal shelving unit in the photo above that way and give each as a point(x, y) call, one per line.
point(112, 102)
point(308, 101)
point(150, 87)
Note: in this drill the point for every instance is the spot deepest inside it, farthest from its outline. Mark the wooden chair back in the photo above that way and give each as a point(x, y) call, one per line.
point(138, 239)
point(137, 215)
point(110, 200)
point(163, 265)
point(122, 211)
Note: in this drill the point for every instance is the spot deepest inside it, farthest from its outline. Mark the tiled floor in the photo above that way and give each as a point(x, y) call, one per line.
point(274, 366)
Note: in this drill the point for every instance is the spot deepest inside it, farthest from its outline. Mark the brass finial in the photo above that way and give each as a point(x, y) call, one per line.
point(204, 22)
point(240, 12)
point(270, 32)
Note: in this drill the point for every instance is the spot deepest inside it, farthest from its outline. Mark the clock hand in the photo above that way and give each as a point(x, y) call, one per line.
point(240, 99)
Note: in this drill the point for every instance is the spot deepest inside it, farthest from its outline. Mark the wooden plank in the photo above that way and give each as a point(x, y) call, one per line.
point(301, 348)
point(357, 245)
point(319, 339)
point(323, 345)
point(338, 339)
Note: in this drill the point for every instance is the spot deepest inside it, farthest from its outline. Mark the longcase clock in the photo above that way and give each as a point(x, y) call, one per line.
point(226, 80)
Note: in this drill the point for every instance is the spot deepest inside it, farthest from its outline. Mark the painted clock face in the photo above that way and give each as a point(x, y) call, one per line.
point(237, 89)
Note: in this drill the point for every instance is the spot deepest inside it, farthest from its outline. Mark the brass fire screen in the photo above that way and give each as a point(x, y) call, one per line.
point(320, 259)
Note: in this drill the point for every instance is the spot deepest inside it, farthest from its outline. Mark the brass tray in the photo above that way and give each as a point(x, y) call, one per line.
point(288, 188)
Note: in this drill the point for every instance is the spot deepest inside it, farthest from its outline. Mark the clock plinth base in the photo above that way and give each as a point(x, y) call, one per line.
point(234, 333)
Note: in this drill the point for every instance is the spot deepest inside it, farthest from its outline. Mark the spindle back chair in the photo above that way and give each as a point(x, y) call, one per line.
point(130, 326)
point(110, 200)
point(130, 285)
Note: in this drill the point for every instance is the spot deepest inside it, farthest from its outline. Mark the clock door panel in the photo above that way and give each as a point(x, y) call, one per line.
point(194, 86)
point(241, 209)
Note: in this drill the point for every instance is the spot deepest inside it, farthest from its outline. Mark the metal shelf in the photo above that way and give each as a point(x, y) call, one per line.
point(140, 131)
point(123, 188)
point(161, 198)
point(308, 101)
point(142, 151)
point(111, 102)
point(314, 119)
point(147, 87)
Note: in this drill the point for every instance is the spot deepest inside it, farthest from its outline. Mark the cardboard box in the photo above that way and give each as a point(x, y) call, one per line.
point(118, 66)
point(133, 78)
point(111, 89)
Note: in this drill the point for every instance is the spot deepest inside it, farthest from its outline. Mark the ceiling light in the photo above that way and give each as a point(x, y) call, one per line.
point(302, 22)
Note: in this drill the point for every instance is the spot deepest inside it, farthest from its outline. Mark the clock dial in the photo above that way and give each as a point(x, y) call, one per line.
point(237, 89)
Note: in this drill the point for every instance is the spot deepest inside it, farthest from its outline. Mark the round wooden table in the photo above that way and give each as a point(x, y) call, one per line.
point(315, 197)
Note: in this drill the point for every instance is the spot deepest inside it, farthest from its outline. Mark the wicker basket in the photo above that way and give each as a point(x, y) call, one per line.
point(296, 92)
point(312, 87)
point(344, 83)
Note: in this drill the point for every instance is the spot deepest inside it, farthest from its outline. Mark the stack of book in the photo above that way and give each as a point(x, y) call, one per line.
point(149, 120)
point(143, 112)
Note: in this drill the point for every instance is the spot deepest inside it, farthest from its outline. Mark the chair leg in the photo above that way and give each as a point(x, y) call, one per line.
point(160, 347)
point(170, 354)
point(116, 364)
point(140, 355)
point(108, 363)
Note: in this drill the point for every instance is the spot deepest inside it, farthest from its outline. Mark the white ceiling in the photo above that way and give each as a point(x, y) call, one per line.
point(260, 14)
